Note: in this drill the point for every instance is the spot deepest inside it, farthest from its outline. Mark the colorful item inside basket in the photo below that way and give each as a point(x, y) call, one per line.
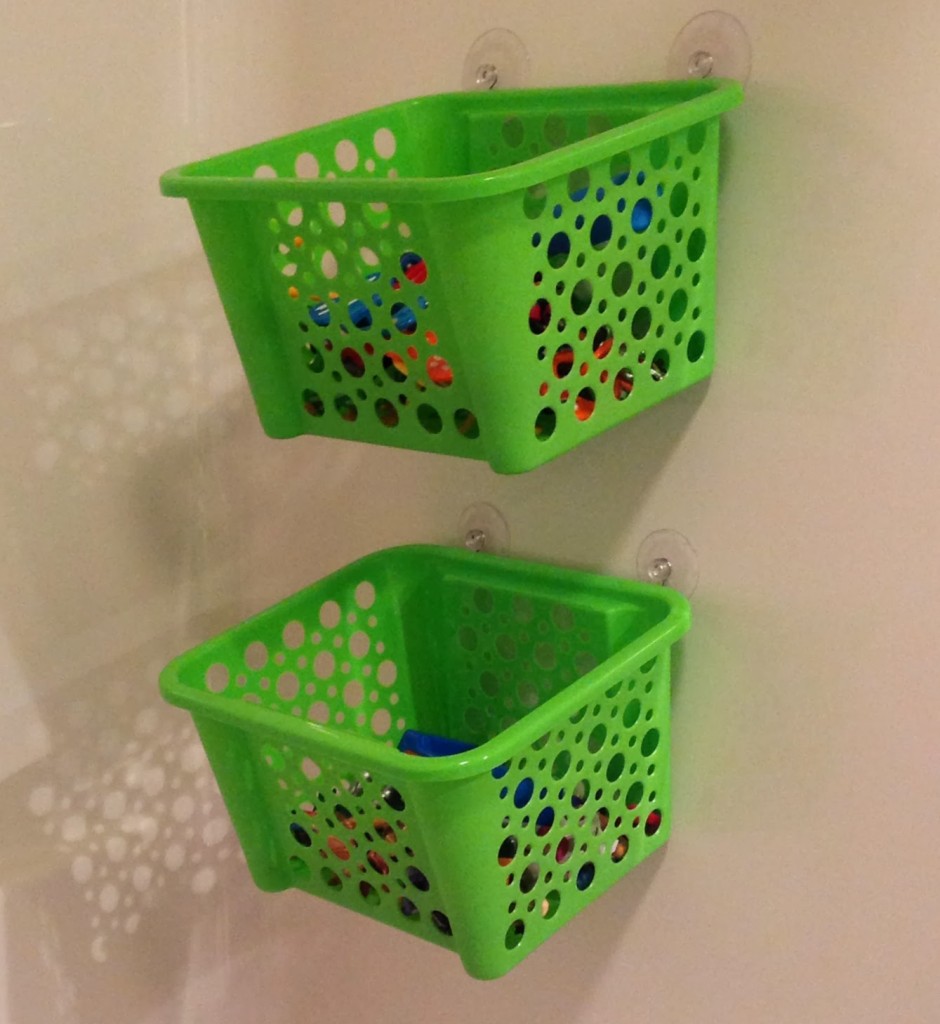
point(425, 744)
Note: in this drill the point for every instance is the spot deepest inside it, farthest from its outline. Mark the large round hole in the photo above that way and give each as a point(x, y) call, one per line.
point(601, 231)
point(634, 795)
point(653, 821)
point(561, 764)
point(564, 849)
point(620, 168)
point(581, 296)
point(313, 403)
point(696, 244)
point(660, 261)
point(529, 877)
point(344, 817)
point(408, 908)
point(331, 878)
point(615, 767)
point(579, 181)
point(580, 794)
point(377, 862)
point(659, 152)
point(507, 851)
point(563, 361)
point(441, 922)
point(696, 347)
point(386, 412)
point(544, 822)
point(466, 424)
point(300, 834)
point(352, 362)
point(551, 903)
point(585, 404)
point(603, 341)
point(641, 323)
point(619, 849)
point(338, 847)
point(678, 199)
point(540, 316)
point(695, 138)
point(417, 878)
point(621, 279)
point(359, 315)
point(534, 200)
point(650, 742)
point(514, 934)
point(659, 366)
point(642, 215)
point(623, 385)
point(597, 738)
point(430, 419)
point(523, 793)
point(316, 362)
point(395, 366)
point(346, 408)
point(404, 318)
point(369, 894)
point(545, 424)
point(393, 798)
point(385, 831)
point(439, 371)
point(678, 305)
point(414, 268)
point(585, 876)
point(559, 248)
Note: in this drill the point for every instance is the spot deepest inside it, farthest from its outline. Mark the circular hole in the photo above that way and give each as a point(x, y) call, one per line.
point(641, 323)
point(408, 908)
point(659, 153)
point(369, 894)
point(678, 199)
point(300, 834)
point(620, 168)
point(601, 231)
point(346, 408)
point(544, 821)
point(466, 423)
point(619, 849)
point(395, 366)
point(696, 347)
point(603, 341)
point(306, 166)
point(439, 371)
point(545, 423)
point(634, 795)
point(585, 404)
point(514, 934)
point(696, 245)
point(540, 316)
point(550, 904)
point(385, 831)
point(403, 317)
point(653, 821)
point(523, 793)
point(660, 261)
point(621, 279)
point(559, 249)
point(561, 764)
point(642, 215)
point(352, 362)
point(529, 877)
point(659, 366)
point(563, 361)
point(597, 738)
point(414, 268)
point(347, 156)
point(678, 305)
point(384, 143)
point(393, 798)
point(581, 296)
point(534, 200)
point(564, 849)
point(585, 876)
point(344, 817)
point(650, 742)
point(441, 922)
point(386, 412)
point(631, 713)
point(377, 862)
point(600, 822)
point(580, 793)
point(513, 132)
point(507, 851)
point(331, 878)
point(623, 385)
point(615, 767)
point(696, 138)
point(430, 419)
point(338, 847)
point(417, 878)
point(579, 181)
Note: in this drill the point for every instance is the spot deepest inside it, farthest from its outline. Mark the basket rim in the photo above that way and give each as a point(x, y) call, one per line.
point(376, 754)
point(685, 102)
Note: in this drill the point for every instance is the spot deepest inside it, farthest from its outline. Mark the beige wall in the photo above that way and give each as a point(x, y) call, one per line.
point(142, 510)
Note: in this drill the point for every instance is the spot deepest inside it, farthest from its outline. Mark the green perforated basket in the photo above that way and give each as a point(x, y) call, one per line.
point(496, 275)
point(561, 681)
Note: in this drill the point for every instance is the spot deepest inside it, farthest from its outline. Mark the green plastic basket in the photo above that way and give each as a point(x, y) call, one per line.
point(495, 275)
point(560, 678)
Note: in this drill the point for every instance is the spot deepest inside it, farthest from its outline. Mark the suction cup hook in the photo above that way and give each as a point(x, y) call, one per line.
point(712, 45)
point(497, 59)
point(667, 558)
point(483, 528)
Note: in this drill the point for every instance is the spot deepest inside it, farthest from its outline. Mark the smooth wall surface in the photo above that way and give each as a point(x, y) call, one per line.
point(142, 510)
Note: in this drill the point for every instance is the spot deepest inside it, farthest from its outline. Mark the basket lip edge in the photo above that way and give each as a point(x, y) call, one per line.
point(476, 762)
point(719, 95)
